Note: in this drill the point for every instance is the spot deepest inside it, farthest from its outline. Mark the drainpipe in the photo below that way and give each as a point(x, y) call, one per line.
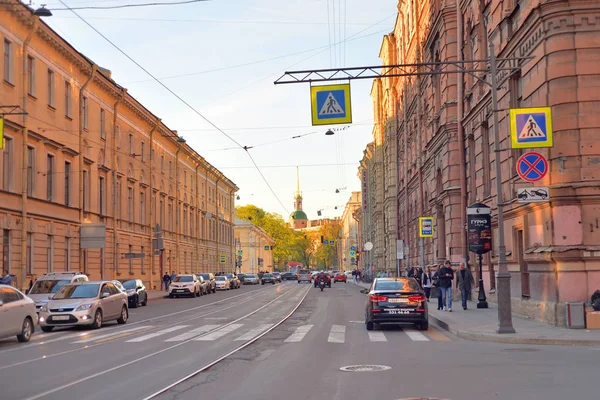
point(419, 141)
point(217, 215)
point(115, 234)
point(461, 141)
point(25, 132)
point(197, 219)
point(405, 140)
point(150, 165)
point(177, 209)
point(81, 117)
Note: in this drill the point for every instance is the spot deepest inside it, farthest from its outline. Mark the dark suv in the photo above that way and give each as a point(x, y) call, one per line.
point(210, 279)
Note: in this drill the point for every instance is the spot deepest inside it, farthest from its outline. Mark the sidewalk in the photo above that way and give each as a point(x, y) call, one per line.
point(480, 325)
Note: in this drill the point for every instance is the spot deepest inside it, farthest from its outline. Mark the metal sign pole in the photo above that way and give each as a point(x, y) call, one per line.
point(504, 306)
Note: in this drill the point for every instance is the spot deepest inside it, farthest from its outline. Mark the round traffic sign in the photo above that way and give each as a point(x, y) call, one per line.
point(368, 246)
point(532, 166)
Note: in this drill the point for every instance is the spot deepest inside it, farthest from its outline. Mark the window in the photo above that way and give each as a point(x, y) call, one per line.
point(31, 75)
point(6, 250)
point(184, 230)
point(86, 188)
point(68, 99)
point(30, 170)
point(170, 216)
point(102, 124)
point(29, 255)
point(131, 143)
point(102, 196)
point(130, 204)
point(142, 208)
point(49, 177)
point(162, 163)
point(130, 260)
point(7, 163)
point(143, 152)
point(184, 178)
point(50, 253)
point(67, 183)
point(142, 260)
point(8, 61)
point(67, 254)
point(84, 111)
point(162, 213)
point(170, 169)
point(51, 88)
point(192, 223)
point(119, 197)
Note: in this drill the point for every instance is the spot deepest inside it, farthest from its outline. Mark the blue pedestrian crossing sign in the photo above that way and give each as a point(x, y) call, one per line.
point(330, 104)
point(426, 227)
point(531, 127)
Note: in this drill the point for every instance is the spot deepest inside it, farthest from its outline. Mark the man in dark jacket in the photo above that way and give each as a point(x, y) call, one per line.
point(464, 283)
point(446, 277)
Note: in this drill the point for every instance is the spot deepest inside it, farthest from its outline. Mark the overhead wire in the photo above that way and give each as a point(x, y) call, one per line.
point(133, 5)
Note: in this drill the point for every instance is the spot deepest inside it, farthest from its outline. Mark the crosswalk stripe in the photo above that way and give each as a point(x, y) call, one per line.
point(119, 332)
point(155, 334)
point(254, 332)
point(377, 337)
point(337, 334)
point(219, 333)
point(298, 334)
point(417, 336)
point(192, 333)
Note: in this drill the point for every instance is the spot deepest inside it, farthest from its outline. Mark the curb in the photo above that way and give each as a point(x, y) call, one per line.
point(485, 337)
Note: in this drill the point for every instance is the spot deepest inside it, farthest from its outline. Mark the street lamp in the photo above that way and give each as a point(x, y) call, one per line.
point(329, 132)
point(42, 12)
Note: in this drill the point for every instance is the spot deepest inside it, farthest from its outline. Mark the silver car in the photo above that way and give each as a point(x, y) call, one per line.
point(49, 283)
point(251, 279)
point(17, 314)
point(90, 303)
point(223, 283)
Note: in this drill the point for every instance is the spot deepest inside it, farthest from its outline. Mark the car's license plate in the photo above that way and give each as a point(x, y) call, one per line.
point(61, 318)
point(398, 311)
point(400, 300)
point(179, 291)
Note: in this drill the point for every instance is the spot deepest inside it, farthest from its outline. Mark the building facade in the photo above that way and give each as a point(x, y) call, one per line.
point(82, 151)
point(445, 139)
point(349, 233)
point(255, 247)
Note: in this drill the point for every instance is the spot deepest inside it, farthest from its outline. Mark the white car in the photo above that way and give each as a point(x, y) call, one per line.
point(49, 283)
point(185, 285)
point(251, 279)
point(17, 314)
point(223, 283)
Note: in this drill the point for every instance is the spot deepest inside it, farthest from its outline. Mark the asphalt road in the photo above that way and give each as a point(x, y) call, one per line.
point(297, 359)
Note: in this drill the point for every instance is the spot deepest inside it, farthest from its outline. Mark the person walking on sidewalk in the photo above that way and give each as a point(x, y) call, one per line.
point(436, 285)
point(427, 282)
point(446, 277)
point(464, 283)
point(166, 279)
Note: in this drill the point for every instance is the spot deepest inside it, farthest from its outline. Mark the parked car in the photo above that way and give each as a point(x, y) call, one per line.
point(234, 281)
point(339, 278)
point(185, 285)
point(289, 276)
point(241, 277)
point(396, 300)
point(268, 278)
point(223, 283)
point(136, 292)
point(88, 303)
point(18, 314)
point(50, 283)
point(251, 279)
point(204, 286)
point(304, 275)
point(210, 278)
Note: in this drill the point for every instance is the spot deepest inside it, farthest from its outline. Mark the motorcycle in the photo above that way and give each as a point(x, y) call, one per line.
point(322, 284)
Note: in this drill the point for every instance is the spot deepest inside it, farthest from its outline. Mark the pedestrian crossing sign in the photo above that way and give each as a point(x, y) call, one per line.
point(531, 127)
point(222, 259)
point(330, 104)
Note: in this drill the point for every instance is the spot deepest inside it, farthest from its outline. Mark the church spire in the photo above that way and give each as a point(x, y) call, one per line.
point(298, 193)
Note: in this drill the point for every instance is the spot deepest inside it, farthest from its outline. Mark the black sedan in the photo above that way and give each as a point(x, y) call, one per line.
point(136, 292)
point(268, 278)
point(396, 301)
point(289, 276)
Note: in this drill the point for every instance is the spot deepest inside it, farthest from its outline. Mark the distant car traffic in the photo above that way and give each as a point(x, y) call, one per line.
point(304, 275)
point(223, 283)
point(88, 303)
point(339, 278)
point(251, 279)
point(277, 276)
point(136, 292)
point(17, 314)
point(289, 276)
point(268, 278)
point(394, 301)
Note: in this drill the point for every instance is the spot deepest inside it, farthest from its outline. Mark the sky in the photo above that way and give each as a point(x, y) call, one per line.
point(222, 57)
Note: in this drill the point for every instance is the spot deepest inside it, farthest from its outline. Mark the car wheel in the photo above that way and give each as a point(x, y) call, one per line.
point(145, 302)
point(124, 316)
point(26, 330)
point(47, 328)
point(369, 325)
point(170, 296)
point(97, 324)
point(423, 326)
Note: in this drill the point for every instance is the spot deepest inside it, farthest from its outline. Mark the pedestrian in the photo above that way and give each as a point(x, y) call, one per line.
point(417, 275)
point(427, 282)
point(464, 283)
point(166, 279)
point(172, 277)
point(446, 277)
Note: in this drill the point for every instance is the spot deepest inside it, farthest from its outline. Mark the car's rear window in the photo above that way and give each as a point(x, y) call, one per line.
point(303, 272)
point(404, 285)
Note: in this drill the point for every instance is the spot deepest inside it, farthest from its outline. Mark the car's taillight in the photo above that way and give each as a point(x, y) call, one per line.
point(417, 298)
point(377, 298)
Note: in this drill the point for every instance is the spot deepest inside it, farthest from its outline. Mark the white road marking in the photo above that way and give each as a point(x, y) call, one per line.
point(155, 334)
point(377, 337)
point(254, 332)
point(91, 339)
point(417, 336)
point(192, 333)
point(215, 318)
point(337, 334)
point(219, 333)
point(298, 334)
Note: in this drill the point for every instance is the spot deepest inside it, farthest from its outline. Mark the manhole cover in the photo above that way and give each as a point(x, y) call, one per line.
point(524, 350)
point(365, 368)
